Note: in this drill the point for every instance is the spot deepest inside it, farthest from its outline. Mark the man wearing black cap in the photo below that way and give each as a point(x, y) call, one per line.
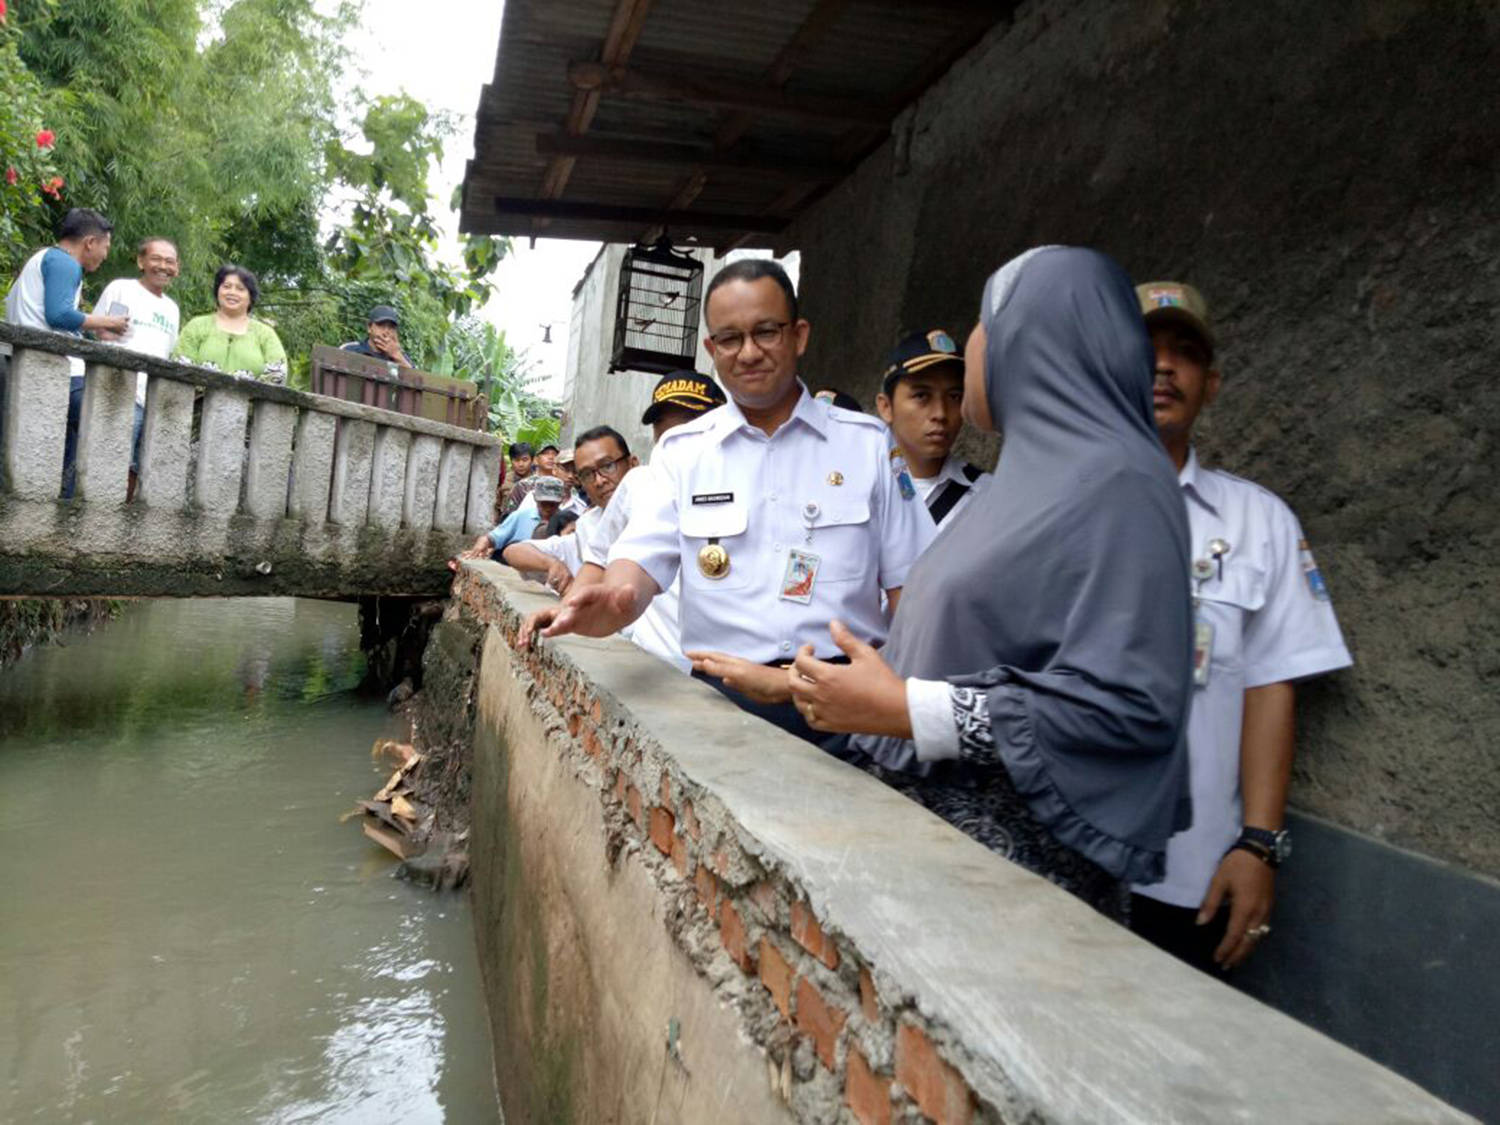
point(921, 400)
point(382, 337)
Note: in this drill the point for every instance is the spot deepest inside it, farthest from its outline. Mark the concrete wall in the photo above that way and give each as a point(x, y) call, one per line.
point(685, 915)
point(244, 487)
point(1329, 176)
point(594, 395)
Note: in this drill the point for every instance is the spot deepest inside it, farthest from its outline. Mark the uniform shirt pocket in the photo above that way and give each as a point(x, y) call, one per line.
point(724, 523)
point(841, 539)
point(1226, 603)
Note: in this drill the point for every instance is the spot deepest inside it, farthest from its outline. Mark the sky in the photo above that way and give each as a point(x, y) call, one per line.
point(441, 53)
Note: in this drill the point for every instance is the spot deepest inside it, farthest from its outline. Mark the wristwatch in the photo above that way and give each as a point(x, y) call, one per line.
point(1272, 847)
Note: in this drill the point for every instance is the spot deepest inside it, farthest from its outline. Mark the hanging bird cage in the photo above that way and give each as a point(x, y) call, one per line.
point(656, 320)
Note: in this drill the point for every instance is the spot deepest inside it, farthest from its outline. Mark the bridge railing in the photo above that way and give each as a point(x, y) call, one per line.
point(262, 451)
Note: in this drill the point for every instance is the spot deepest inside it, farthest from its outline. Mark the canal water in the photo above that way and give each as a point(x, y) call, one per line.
point(187, 932)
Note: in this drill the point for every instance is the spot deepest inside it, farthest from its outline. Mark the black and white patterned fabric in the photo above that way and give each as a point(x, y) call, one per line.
point(987, 807)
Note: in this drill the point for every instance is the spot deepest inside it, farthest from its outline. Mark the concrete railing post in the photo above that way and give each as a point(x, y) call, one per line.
point(420, 499)
point(166, 445)
point(106, 432)
point(271, 426)
point(388, 476)
point(221, 453)
point(453, 486)
point(353, 457)
point(484, 471)
point(312, 467)
point(36, 424)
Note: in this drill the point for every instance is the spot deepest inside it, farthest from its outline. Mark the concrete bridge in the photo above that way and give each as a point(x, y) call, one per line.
point(254, 490)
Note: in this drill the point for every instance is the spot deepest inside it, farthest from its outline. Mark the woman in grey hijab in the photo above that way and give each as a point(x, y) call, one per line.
point(1034, 690)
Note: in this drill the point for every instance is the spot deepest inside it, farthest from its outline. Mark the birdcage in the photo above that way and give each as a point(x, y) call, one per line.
point(656, 320)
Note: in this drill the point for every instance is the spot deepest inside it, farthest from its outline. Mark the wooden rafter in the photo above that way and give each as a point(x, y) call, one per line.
point(624, 29)
point(639, 216)
point(723, 93)
point(685, 156)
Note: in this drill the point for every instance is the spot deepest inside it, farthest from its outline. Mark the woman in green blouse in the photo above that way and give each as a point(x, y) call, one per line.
point(228, 339)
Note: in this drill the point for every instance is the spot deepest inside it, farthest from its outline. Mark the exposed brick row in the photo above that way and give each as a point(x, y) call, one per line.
point(887, 1064)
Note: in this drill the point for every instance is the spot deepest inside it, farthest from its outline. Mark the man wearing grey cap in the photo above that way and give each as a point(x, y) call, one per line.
point(382, 337)
point(517, 527)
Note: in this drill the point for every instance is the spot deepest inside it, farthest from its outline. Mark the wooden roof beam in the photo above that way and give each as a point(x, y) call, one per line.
point(638, 216)
point(720, 93)
point(685, 156)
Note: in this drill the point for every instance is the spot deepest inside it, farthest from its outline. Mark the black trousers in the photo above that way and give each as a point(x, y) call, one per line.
point(1174, 929)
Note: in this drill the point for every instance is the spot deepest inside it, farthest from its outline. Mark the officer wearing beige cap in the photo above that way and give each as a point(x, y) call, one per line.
point(1262, 622)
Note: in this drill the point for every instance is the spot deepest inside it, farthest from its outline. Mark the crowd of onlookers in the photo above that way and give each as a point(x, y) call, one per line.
point(137, 313)
point(1086, 659)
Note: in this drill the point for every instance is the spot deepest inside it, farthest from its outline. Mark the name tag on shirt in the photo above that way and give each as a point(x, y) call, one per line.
point(1203, 650)
point(713, 498)
point(801, 573)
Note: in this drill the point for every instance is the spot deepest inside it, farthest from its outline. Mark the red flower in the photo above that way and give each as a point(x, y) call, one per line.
point(11, 175)
point(53, 186)
point(46, 137)
point(2, 11)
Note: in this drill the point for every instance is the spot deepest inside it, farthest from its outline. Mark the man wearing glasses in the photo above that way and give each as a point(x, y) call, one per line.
point(601, 458)
point(780, 513)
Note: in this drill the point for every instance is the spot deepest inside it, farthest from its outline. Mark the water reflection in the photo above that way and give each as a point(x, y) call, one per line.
point(189, 933)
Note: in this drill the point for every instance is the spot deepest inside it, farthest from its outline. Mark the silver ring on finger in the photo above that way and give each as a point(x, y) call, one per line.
point(1255, 933)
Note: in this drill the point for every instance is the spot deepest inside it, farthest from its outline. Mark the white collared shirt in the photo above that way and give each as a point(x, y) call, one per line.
point(823, 485)
point(952, 470)
point(1272, 622)
point(656, 630)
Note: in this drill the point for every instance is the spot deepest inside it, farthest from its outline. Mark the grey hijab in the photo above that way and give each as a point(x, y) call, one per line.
point(1063, 590)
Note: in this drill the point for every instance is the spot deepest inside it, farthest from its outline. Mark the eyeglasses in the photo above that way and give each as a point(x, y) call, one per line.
point(603, 468)
point(765, 336)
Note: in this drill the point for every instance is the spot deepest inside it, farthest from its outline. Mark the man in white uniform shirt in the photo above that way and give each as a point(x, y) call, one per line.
point(153, 316)
point(605, 459)
point(921, 400)
point(779, 512)
point(1262, 621)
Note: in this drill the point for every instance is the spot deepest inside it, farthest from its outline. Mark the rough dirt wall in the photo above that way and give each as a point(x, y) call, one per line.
point(1329, 176)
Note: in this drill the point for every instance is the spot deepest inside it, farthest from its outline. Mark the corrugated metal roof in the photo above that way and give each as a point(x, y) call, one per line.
point(695, 61)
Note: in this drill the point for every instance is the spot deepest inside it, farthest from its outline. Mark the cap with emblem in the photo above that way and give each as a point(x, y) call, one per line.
point(684, 389)
point(921, 351)
point(550, 488)
point(384, 314)
point(1168, 302)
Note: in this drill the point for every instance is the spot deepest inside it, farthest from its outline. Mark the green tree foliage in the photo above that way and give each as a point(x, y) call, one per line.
point(476, 351)
point(215, 123)
point(204, 124)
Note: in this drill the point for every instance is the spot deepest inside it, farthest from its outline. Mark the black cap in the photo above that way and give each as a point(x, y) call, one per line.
point(685, 389)
point(521, 449)
point(921, 351)
point(380, 314)
point(840, 399)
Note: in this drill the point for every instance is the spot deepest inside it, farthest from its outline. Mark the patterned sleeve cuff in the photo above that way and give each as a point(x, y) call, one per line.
point(931, 713)
point(971, 718)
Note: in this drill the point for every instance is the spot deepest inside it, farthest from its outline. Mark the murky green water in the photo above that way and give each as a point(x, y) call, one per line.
point(187, 932)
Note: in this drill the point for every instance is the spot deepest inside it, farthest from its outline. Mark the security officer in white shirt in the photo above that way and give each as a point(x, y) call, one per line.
point(921, 399)
point(781, 513)
point(1262, 622)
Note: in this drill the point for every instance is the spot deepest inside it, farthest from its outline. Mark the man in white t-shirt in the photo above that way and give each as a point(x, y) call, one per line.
point(154, 319)
point(1262, 623)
